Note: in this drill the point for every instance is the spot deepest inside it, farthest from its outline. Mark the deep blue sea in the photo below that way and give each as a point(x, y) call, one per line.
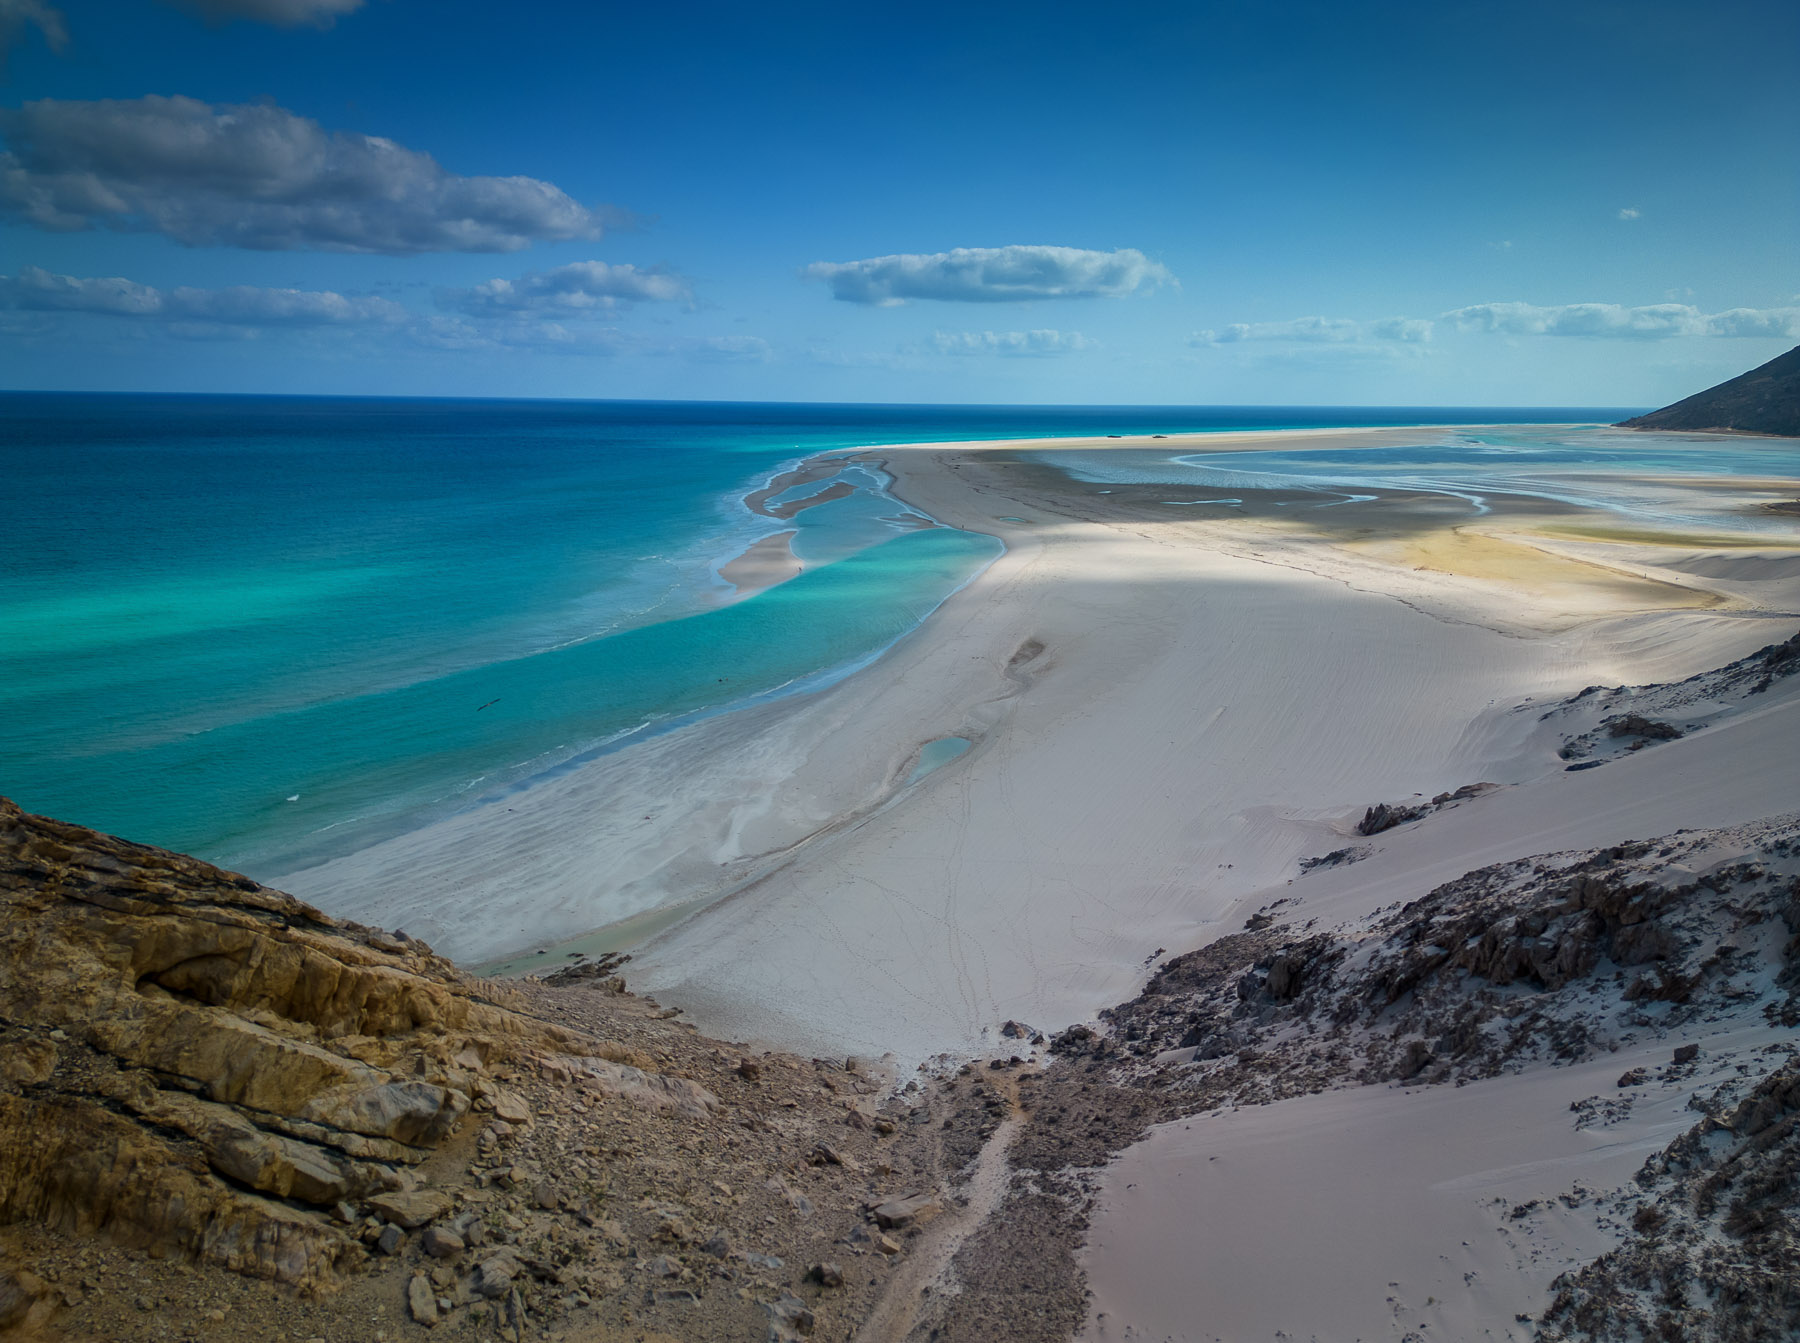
point(266, 630)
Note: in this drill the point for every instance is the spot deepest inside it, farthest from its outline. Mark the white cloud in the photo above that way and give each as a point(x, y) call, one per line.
point(18, 15)
point(1655, 321)
point(1628, 213)
point(1782, 322)
point(32, 301)
point(730, 350)
point(990, 275)
point(260, 177)
point(280, 13)
point(1320, 331)
point(584, 287)
point(1011, 343)
point(34, 289)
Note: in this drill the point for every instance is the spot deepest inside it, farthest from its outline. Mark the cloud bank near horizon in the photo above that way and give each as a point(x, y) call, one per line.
point(263, 178)
point(1319, 331)
point(1591, 321)
point(34, 289)
point(1656, 321)
point(580, 288)
point(1016, 273)
point(247, 312)
point(1013, 344)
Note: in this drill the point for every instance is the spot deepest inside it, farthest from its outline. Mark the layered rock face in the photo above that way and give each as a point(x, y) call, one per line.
point(193, 1063)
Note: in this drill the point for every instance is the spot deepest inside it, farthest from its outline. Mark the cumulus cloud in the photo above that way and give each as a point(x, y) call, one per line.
point(584, 287)
point(1320, 331)
point(1655, 321)
point(1628, 213)
point(260, 177)
point(991, 275)
point(34, 289)
point(18, 15)
point(1012, 343)
point(280, 13)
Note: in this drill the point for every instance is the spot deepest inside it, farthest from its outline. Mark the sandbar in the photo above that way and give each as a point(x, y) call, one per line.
point(766, 563)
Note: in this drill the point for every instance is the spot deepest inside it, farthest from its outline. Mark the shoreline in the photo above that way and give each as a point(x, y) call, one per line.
point(778, 788)
point(1168, 713)
point(928, 477)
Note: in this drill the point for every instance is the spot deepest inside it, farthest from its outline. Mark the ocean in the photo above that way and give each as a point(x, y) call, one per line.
point(271, 630)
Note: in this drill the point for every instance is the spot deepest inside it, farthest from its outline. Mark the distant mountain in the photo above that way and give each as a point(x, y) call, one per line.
point(1765, 400)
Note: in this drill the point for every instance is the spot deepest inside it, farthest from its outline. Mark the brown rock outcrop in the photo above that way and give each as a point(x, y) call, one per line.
point(191, 1062)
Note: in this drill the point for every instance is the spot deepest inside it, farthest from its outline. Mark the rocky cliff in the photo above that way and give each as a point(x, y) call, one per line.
point(223, 1113)
point(1765, 400)
point(191, 1061)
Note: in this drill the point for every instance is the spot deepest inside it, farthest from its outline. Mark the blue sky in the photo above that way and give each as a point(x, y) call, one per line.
point(1477, 204)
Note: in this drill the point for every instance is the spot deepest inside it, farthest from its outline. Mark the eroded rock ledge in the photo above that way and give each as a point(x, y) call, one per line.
point(194, 1062)
point(199, 1074)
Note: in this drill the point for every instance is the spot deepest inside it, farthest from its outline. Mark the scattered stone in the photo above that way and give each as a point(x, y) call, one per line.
point(440, 1243)
point(661, 1267)
point(824, 1154)
point(390, 1240)
point(1016, 1030)
point(749, 1069)
point(790, 1311)
point(1383, 816)
point(509, 1106)
point(422, 1301)
point(1687, 1053)
point(826, 1275)
point(410, 1210)
point(1337, 858)
point(904, 1212)
point(1413, 1061)
point(493, 1276)
point(1634, 725)
point(1634, 1078)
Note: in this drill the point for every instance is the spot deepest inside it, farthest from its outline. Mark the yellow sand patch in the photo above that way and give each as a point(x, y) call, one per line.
point(1570, 583)
point(1647, 536)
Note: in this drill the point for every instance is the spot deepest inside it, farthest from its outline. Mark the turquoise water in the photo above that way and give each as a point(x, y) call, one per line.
point(268, 630)
point(937, 754)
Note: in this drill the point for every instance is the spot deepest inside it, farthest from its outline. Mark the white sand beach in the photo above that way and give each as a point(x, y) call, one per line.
point(1167, 710)
point(1166, 714)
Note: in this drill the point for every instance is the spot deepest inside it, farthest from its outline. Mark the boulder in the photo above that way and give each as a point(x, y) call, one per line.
point(410, 1210)
point(421, 1301)
point(904, 1212)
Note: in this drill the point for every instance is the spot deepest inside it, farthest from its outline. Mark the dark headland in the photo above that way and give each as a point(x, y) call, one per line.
point(1765, 400)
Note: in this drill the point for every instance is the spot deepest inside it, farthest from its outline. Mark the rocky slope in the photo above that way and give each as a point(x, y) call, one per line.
point(1765, 400)
point(1539, 963)
point(226, 1115)
point(198, 1074)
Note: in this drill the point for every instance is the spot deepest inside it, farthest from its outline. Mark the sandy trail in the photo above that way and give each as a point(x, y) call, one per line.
point(926, 1268)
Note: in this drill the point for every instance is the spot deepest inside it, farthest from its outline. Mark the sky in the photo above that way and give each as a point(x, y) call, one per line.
point(1239, 202)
